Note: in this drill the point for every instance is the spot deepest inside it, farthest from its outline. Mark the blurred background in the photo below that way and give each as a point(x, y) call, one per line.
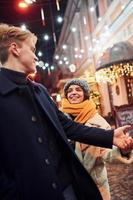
point(89, 39)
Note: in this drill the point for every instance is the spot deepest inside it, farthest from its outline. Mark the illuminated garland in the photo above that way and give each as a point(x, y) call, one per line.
point(113, 72)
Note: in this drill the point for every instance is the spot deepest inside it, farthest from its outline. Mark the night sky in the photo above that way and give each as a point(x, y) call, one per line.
point(10, 13)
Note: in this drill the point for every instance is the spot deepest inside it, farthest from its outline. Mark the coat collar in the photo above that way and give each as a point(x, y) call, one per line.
point(6, 85)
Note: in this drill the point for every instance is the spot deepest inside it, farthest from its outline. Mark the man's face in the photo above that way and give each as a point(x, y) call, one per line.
point(27, 57)
point(75, 94)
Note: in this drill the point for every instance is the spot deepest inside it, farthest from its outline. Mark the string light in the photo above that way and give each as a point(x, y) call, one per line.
point(22, 4)
point(112, 73)
point(72, 68)
point(86, 37)
point(52, 67)
point(40, 54)
point(59, 19)
point(40, 63)
point(49, 72)
point(29, 1)
point(67, 62)
point(73, 29)
point(46, 64)
point(57, 57)
point(42, 17)
point(92, 9)
point(64, 46)
point(60, 62)
point(57, 5)
point(54, 37)
point(23, 27)
point(84, 20)
point(46, 37)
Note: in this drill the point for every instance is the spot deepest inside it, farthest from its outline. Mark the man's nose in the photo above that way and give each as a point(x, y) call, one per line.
point(36, 58)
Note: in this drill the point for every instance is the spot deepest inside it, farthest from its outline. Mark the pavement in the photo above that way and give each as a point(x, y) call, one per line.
point(121, 181)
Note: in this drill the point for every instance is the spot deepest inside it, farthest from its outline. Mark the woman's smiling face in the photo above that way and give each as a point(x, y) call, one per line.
point(75, 94)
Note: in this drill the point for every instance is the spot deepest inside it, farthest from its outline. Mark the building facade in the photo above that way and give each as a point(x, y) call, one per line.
point(91, 27)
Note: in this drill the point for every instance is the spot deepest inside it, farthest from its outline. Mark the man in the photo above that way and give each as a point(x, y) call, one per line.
point(36, 161)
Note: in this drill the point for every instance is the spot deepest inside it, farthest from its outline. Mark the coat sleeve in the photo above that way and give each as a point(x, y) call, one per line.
point(84, 134)
point(77, 132)
point(115, 155)
point(107, 155)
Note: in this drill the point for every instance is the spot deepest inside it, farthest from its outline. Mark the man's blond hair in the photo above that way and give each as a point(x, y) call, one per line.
point(9, 34)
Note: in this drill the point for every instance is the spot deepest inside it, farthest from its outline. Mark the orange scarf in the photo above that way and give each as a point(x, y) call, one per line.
point(81, 111)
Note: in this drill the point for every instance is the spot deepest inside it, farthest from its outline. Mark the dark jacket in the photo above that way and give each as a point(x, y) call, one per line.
point(25, 171)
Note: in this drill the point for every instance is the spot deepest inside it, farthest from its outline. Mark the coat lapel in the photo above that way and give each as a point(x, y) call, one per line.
point(47, 108)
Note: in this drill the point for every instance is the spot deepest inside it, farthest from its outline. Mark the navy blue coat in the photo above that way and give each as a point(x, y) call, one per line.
point(25, 174)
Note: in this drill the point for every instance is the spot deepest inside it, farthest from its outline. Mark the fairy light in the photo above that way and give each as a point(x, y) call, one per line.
point(42, 17)
point(57, 5)
point(30, 1)
point(22, 5)
point(112, 73)
point(84, 20)
point(54, 38)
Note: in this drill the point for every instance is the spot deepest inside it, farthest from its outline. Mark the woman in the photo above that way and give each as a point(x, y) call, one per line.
point(78, 105)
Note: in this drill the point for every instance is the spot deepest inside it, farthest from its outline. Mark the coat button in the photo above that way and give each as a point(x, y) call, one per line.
point(54, 185)
point(33, 118)
point(40, 140)
point(47, 161)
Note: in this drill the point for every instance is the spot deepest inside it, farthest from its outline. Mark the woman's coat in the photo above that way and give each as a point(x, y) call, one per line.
point(94, 158)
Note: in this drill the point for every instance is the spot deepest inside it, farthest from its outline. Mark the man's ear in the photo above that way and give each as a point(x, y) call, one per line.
point(14, 49)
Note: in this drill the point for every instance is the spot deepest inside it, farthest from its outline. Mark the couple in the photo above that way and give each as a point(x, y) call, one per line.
point(36, 160)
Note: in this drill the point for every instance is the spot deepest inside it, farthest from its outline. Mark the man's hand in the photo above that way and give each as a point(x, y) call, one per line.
point(122, 140)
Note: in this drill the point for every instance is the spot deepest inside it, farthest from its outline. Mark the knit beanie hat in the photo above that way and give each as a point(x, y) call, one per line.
point(80, 82)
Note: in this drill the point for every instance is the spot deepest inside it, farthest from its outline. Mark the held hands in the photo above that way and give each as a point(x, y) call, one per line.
point(122, 140)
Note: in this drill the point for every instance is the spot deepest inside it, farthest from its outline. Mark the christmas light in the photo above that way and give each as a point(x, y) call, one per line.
point(92, 9)
point(56, 57)
point(40, 54)
point(22, 4)
point(59, 19)
point(60, 62)
point(72, 68)
point(112, 73)
point(54, 37)
point(23, 27)
point(84, 20)
point(86, 37)
point(46, 37)
point(42, 17)
point(46, 64)
point(29, 1)
point(64, 46)
point(73, 29)
point(52, 67)
point(41, 63)
point(57, 5)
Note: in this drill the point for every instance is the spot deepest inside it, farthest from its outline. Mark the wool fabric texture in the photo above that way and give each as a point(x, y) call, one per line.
point(81, 111)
